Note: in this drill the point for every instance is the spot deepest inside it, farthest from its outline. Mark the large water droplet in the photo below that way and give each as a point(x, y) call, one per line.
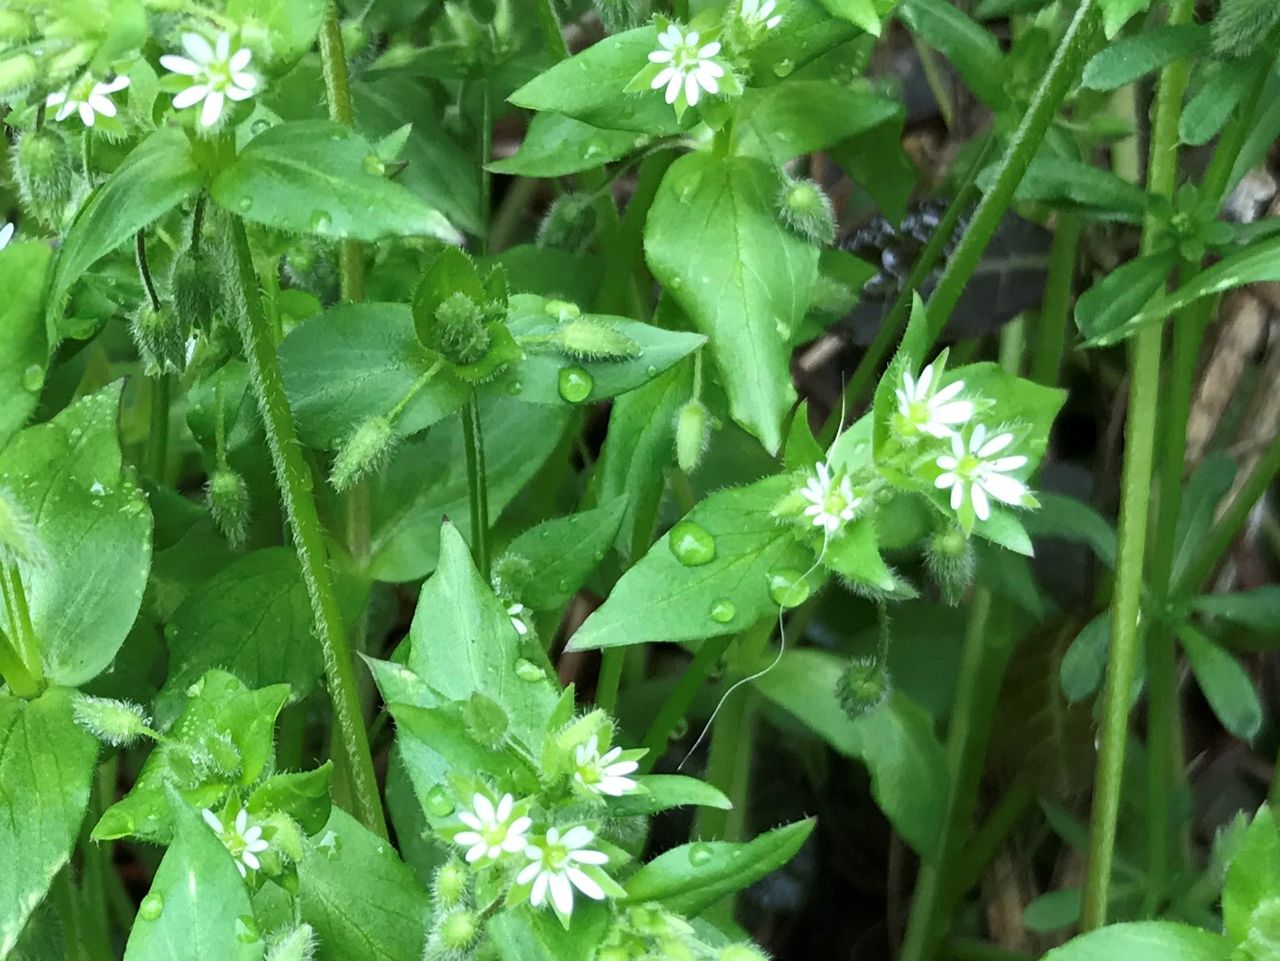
point(439, 802)
point(691, 544)
point(321, 222)
point(528, 671)
point(783, 68)
point(723, 610)
point(575, 384)
point(245, 203)
point(788, 588)
point(679, 729)
point(373, 165)
point(33, 377)
point(151, 907)
point(329, 845)
point(700, 854)
point(246, 929)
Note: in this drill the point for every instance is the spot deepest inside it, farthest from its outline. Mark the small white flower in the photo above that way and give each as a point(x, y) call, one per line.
point(930, 411)
point(516, 612)
point(243, 840)
point(218, 75)
point(603, 774)
point(973, 472)
point(831, 503)
point(6, 235)
point(554, 868)
point(91, 100)
point(688, 65)
point(494, 830)
point(755, 13)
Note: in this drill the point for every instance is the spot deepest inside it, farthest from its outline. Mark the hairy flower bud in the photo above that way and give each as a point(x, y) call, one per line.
point(42, 170)
point(161, 338)
point(511, 573)
point(195, 288)
point(459, 331)
point(363, 453)
point(227, 496)
point(458, 930)
point(587, 338)
point(298, 944)
point(806, 209)
point(449, 887)
point(569, 224)
point(16, 73)
point(118, 723)
point(949, 558)
point(741, 952)
point(863, 687)
point(485, 720)
point(693, 432)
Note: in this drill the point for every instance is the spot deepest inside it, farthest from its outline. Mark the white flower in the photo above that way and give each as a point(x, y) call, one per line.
point(755, 13)
point(687, 65)
point(243, 840)
point(831, 504)
point(974, 471)
point(216, 72)
point(554, 868)
point(6, 235)
point(603, 775)
point(931, 412)
point(91, 103)
point(516, 613)
point(493, 829)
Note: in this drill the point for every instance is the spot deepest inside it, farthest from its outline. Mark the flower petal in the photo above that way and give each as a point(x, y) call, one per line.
point(190, 96)
point(197, 48)
point(212, 109)
point(175, 64)
point(587, 885)
point(589, 857)
point(210, 818)
point(578, 836)
point(691, 88)
point(528, 872)
point(661, 56)
point(561, 893)
point(250, 860)
point(240, 59)
point(538, 896)
point(981, 506)
point(995, 445)
point(1003, 488)
point(483, 808)
point(1005, 464)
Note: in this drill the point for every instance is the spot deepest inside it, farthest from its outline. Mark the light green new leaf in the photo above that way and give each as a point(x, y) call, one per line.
point(94, 526)
point(663, 598)
point(1226, 685)
point(1105, 313)
point(896, 742)
point(1126, 60)
point(1258, 609)
point(1253, 876)
point(357, 361)
point(556, 145)
point(1144, 941)
point(972, 50)
point(561, 554)
point(291, 25)
point(693, 877)
point(861, 13)
point(713, 239)
point(316, 177)
point(1116, 13)
point(23, 343)
point(386, 918)
point(198, 907)
point(46, 765)
point(798, 117)
point(158, 175)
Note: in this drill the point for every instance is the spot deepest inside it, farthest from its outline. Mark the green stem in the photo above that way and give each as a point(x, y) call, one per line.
point(24, 634)
point(1140, 434)
point(477, 483)
point(486, 150)
point(158, 428)
point(337, 91)
point(676, 706)
point(511, 212)
point(979, 852)
point(1055, 309)
point(729, 767)
point(293, 477)
point(617, 293)
point(611, 663)
point(15, 673)
point(970, 949)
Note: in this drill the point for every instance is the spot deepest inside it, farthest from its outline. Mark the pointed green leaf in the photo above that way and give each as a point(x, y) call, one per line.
point(1144, 941)
point(561, 554)
point(1258, 609)
point(1126, 60)
point(1226, 685)
point(556, 145)
point(1105, 313)
point(1253, 876)
point(972, 50)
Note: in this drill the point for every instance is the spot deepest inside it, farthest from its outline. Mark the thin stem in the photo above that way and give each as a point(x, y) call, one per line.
point(1009, 811)
point(24, 633)
point(1140, 434)
point(144, 269)
point(511, 212)
point(337, 90)
point(611, 663)
point(158, 428)
point(293, 477)
point(677, 703)
point(1051, 337)
point(729, 766)
point(477, 483)
point(486, 151)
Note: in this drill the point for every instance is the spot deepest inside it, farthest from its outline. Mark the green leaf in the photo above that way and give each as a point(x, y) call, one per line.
point(861, 13)
point(1073, 520)
point(1226, 685)
point(714, 241)
point(357, 361)
point(1258, 609)
point(970, 48)
point(896, 742)
point(661, 792)
point(443, 731)
point(592, 86)
point(303, 795)
point(1144, 941)
point(1085, 662)
point(526, 934)
point(562, 553)
point(385, 921)
point(253, 619)
point(1077, 185)
point(798, 117)
point(1116, 13)
point(693, 877)
point(1253, 876)
point(1105, 312)
point(1126, 60)
point(24, 349)
point(556, 145)
point(315, 177)
point(46, 766)
point(94, 526)
point(1216, 100)
point(291, 25)
point(1204, 491)
point(663, 599)
point(203, 905)
point(157, 175)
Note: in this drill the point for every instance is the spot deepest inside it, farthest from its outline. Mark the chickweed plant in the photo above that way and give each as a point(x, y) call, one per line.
point(638, 480)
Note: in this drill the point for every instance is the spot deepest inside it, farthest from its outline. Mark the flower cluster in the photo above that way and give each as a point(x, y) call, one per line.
point(217, 74)
point(242, 839)
point(688, 66)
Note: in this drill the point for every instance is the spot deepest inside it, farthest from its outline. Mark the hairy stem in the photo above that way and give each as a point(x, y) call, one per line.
point(293, 477)
point(337, 91)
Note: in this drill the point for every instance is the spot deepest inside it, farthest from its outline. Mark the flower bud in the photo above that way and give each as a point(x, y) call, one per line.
point(16, 73)
point(459, 331)
point(742, 952)
point(161, 338)
point(863, 687)
point(1263, 939)
point(42, 170)
point(511, 573)
point(693, 433)
point(19, 540)
point(14, 25)
point(299, 944)
point(806, 209)
point(217, 756)
point(118, 723)
point(227, 496)
point(195, 288)
point(458, 930)
point(569, 224)
point(949, 559)
point(450, 884)
point(588, 339)
point(363, 453)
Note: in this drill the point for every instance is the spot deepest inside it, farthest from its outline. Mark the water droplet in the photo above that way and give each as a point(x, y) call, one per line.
point(700, 854)
point(723, 610)
point(439, 802)
point(782, 330)
point(515, 387)
point(691, 544)
point(783, 68)
point(651, 371)
point(593, 149)
point(373, 165)
point(575, 384)
point(245, 203)
point(246, 929)
point(562, 586)
point(320, 222)
point(329, 845)
point(788, 588)
point(33, 378)
point(679, 729)
point(260, 126)
point(151, 907)
point(528, 671)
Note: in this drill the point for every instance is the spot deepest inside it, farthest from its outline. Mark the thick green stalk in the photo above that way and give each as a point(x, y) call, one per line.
point(337, 91)
point(1055, 309)
point(610, 679)
point(1140, 434)
point(477, 482)
point(293, 477)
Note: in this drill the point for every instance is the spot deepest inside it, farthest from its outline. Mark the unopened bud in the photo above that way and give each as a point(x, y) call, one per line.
point(586, 338)
point(569, 224)
point(299, 944)
point(450, 885)
point(863, 687)
point(218, 756)
point(17, 73)
point(195, 288)
point(160, 337)
point(118, 723)
point(693, 433)
point(511, 573)
point(806, 209)
point(458, 930)
point(42, 170)
point(227, 496)
point(949, 559)
point(363, 453)
point(742, 952)
point(459, 331)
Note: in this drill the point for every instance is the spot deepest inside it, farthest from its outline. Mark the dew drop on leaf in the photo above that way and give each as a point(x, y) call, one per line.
point(320, 222)
point(515, 387)
point(692, 545)
point(679, 729)
point(700, 854)
point(439, 802)
point(575, 384)
point(373, 165)
point(788, 588)
point(783, 68)
point(33, 377)
point(245, 203)
point(722, 611)
point(528, 671)
point(151, 907)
